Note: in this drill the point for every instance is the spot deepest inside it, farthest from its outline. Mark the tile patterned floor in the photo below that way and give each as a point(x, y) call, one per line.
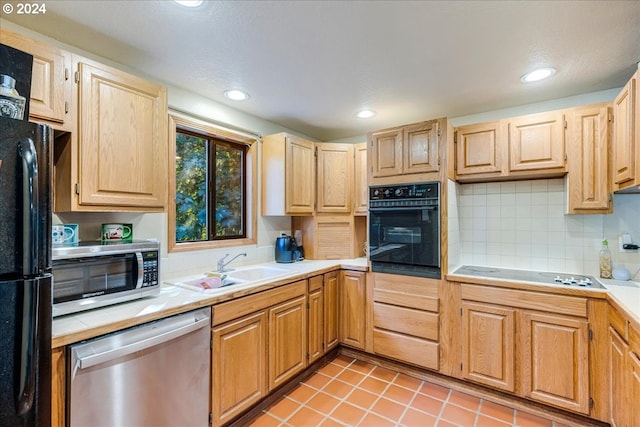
point(349, 392)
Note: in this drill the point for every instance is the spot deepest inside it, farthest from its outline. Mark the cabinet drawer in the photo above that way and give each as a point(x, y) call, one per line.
point(315, 283)
point(634, 341)
point(406, 320)
point(409, 349)
point(618, 323)
point(240, 307)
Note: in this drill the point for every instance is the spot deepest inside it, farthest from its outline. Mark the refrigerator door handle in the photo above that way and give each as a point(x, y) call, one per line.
point(30, 261)
point(29, 338)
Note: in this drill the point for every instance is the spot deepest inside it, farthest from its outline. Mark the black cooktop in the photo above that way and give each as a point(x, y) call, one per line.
point(560, 279)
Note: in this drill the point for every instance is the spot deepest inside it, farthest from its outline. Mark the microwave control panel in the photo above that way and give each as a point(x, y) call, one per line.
point(150, 268)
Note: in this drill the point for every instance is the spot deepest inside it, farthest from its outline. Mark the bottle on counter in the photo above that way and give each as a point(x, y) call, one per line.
point(11, 103)
point(605, 260)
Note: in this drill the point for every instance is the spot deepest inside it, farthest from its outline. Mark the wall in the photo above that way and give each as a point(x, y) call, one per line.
point(522, 224)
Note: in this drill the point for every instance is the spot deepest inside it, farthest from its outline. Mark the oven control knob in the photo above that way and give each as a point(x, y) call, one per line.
point(376, 192)
point(398, 192)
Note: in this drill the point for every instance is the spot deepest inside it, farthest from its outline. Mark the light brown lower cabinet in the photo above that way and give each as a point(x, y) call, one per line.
point(322, 315)
point(352, 313)
point(238, 366)
point(533, 344)
point(330, 306)
point(489, 345)
point(259, 342)
point(405, 319)
point(58, 381)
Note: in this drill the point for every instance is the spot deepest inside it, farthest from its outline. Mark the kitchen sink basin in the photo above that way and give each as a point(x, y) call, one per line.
point(205, 284)
point(252, 274)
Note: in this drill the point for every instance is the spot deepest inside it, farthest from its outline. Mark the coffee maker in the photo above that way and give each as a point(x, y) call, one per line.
point(289, 249)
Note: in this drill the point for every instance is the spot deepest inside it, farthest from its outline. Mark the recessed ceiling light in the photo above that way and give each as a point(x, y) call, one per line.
point(189, 3)
point(236, 95)
point(365, 114)
point(539, 74)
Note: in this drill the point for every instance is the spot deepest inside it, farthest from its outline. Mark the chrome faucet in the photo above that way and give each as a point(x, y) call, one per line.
point(222, 264)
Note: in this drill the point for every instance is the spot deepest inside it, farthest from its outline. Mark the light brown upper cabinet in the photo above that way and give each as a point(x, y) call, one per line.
point(588, 159)
point(411, 149)
point(117, 159)
point(50, 99)
point(335, 181)
point(361, 190)
point(288, 175)
point(524, 147)
point(478, 150)
point(626, 137)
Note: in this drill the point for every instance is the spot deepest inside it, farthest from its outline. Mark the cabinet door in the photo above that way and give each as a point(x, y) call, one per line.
point(361, 190)
point(287, 340)
point(624, 112)
point(634, 388)
point(478, 149)
point(555, 360)
point(331, 337)
point(123, 139)
point(420, 146)
point(386, 153)
point(352, 308)
point(316, 325)
point(238, 366)
point(50, 84)
point(335, 177)
point(299, 170)
point(588, 160)
point(58, 390)
point(488, 349)
point(536, 141)
point(618, 395)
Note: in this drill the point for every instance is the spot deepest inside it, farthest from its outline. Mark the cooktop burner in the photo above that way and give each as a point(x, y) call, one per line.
point(562, 279)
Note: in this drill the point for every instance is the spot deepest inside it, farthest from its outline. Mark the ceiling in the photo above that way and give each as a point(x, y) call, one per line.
point(310, 65)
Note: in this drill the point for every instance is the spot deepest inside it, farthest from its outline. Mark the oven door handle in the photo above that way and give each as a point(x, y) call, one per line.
point(404, 208)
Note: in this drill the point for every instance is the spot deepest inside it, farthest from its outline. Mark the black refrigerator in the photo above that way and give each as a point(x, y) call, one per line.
point(25, 273)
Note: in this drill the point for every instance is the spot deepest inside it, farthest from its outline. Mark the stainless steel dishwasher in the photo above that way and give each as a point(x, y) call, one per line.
point(156, 374)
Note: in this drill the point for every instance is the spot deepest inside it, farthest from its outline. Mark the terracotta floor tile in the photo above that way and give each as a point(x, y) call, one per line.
point(323, 403)
point(458, 415)
point(413, 418)
point(399, 394)
point(427, 404)
point(408, 382)
point(524, 419)
point(362, 367)
point(342, 360)
point(302, 393)
point(331, 369)
point(328, 422)
point(388, 409)
point(305, 417)
point(350, 377)
point(445, 423)
point(499, 412)
point(373, 385)
point(348, 414)
point(362, 398)
point(337, 388)
point(383, 373)
point(265, 420)
point(372, 420)
point(464, 400)
point(284, 408)
point(318, 381)
point(434, 390)
point(484, 421)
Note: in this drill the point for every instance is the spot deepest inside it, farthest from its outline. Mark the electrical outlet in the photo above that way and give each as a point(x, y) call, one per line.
point(625, 239)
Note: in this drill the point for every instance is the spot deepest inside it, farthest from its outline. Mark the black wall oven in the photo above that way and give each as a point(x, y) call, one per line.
point(404, 229)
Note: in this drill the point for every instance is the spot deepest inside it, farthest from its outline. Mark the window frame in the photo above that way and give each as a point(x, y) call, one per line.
point(179, 121)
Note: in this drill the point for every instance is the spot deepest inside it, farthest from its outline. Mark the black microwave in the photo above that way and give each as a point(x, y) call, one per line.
point(89, 275)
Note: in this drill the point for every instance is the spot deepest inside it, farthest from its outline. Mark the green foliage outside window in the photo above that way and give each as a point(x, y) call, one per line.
point(208, 212)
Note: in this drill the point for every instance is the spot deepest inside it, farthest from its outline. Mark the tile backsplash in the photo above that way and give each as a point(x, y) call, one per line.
point(523, 224)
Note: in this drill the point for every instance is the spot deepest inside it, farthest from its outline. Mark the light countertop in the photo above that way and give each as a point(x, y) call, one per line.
point(174, 300)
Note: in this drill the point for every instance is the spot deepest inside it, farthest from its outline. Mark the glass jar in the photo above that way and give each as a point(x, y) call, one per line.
point(11, 103)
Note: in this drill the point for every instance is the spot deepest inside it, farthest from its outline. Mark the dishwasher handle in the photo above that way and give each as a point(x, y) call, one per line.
point(147, 338)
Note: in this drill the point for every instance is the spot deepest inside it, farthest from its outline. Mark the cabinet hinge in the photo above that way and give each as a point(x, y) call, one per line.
point(564, 123)
point(461, 367)
point(565, 157)
point(76, 77)
point(66, 73)
point(308, 306)
point(590, 334)
point(439, 132)
point(78, 188)
point(307, 355)
point(461, 312)
point(591, 403)
point(315, 152)
point(66, 107)
point(610, 117)
point(210, 418)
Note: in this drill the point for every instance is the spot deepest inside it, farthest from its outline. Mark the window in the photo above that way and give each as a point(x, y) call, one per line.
point(212, 196)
